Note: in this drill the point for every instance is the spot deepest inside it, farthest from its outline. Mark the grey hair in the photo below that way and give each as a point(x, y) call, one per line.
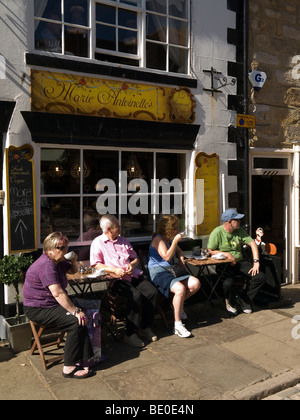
point(107, 221)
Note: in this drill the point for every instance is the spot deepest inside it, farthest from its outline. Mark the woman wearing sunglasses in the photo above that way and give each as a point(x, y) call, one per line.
point(46, 302)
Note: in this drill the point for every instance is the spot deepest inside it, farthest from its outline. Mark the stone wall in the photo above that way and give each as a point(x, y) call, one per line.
point(274, 47)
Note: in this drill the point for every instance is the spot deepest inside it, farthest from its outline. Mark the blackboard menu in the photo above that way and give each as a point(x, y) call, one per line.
point(21, 199)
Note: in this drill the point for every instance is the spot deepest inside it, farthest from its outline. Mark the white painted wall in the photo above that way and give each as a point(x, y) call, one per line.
point(210, 20)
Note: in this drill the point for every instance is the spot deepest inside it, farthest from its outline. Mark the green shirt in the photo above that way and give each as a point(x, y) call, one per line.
point(223, 241)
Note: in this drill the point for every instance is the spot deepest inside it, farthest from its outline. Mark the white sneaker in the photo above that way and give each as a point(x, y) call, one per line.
point(147, 333)
point(230, 308)
point(181, 331)
point(134, 341)
point(246, 308)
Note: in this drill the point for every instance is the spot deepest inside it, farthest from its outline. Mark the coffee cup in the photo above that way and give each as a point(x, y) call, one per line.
point(70, 255)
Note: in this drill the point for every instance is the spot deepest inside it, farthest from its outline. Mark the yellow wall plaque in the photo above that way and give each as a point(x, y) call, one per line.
point(206, 179)
point(246, 121)
point(81, 95)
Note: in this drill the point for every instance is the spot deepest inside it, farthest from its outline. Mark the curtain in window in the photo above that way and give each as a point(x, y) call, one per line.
point(39, 8)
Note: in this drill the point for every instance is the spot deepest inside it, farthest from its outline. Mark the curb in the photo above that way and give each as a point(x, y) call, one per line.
point(267, 388)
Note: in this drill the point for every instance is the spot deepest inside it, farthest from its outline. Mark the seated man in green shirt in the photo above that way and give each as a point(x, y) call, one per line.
point(229, 239)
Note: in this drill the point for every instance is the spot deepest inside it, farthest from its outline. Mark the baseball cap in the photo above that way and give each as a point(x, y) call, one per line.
point(231, 214)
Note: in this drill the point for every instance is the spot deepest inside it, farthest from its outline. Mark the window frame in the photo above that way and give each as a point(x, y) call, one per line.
point(140, 57)
point(271, 156)
point(81, 195)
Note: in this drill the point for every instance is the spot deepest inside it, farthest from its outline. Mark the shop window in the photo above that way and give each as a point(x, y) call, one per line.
point(78, 186)
point(143, 33)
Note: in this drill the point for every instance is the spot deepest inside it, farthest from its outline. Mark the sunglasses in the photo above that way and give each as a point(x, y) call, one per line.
point(61, 248)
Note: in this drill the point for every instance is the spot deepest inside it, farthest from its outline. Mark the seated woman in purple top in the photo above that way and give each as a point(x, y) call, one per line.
point(46, 302)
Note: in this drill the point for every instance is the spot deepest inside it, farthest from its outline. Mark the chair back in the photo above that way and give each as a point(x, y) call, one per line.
point(271, 249)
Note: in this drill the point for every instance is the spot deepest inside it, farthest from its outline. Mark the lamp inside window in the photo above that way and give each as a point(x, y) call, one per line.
point(56, 170)
point(133, 168)
point(75, 170)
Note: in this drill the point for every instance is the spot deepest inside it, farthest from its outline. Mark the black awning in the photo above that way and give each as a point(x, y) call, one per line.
point(6, 110)
point(99, 131)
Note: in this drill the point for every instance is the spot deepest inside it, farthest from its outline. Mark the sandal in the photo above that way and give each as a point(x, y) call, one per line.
point(76, 369)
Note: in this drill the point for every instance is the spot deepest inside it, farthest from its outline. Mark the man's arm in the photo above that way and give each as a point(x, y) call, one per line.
point(255, 253)
point(115, 272)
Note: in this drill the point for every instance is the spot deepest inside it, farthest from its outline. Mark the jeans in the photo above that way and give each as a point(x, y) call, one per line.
point(141, 295)
point(78, 347)
point(232, 289)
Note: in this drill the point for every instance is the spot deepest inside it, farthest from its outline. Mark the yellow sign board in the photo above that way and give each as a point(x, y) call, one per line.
point(246, 121)
point(82, 95)
point(206, 193)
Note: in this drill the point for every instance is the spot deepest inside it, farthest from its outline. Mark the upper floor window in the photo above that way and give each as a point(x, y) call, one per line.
point(151, 34)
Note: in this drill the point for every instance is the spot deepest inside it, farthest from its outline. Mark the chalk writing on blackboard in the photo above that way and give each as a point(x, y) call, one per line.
point(21, 199)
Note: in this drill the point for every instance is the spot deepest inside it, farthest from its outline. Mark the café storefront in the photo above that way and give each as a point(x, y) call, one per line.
point(104, 146)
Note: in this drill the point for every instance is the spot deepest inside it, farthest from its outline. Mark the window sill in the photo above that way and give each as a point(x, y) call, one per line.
point(61, 63)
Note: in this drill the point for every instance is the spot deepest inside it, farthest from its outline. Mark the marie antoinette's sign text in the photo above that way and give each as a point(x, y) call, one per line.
point(73, 94)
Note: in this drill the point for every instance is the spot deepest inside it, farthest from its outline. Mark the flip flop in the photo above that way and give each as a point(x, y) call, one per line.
point(77, 368)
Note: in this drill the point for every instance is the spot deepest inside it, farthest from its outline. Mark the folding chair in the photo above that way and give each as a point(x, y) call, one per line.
point(113, 312)
point(162, 304)
point(117, 306)
point(37, 342)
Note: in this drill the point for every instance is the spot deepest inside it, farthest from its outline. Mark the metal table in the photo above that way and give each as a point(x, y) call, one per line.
point(203, 271)
point(81, 284)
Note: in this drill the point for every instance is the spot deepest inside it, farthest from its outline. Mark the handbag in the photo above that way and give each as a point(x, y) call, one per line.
point(176, 270)
point(92, 311)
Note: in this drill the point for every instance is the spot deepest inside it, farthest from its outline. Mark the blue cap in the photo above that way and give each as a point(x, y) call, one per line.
point(231, 214)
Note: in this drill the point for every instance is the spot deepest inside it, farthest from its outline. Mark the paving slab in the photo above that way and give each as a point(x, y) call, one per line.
point(18, 380)
point(247, 357)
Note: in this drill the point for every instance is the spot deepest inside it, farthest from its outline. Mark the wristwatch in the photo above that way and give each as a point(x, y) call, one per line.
point(77, 311)
point(256, 261)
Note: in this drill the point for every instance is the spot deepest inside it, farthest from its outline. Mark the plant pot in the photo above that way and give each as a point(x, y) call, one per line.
point(18, 335)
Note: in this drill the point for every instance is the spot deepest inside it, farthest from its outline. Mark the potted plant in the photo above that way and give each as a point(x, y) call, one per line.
point(12, 273)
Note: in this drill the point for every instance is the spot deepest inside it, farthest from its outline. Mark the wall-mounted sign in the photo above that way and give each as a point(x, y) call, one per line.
point(73, 94)
point(206, 193)
point(20, 199)
point(246, 121)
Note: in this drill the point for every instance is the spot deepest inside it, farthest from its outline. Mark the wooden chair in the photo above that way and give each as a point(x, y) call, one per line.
point(113, 312)
point(117, 304)
point(163, 304)
point(37, 334)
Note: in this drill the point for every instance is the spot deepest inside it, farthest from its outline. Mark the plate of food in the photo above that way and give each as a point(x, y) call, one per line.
point(219, 256)
point(99, 272)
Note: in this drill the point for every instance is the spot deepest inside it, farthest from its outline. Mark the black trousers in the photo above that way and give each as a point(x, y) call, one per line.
point(78, 347)
point(230, 287)
point(141, 295)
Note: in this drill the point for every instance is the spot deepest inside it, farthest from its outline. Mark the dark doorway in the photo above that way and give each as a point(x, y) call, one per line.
point(268, 210)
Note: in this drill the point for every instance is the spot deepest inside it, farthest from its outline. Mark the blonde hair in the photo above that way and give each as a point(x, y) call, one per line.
point(53, 240)
point(166, 225)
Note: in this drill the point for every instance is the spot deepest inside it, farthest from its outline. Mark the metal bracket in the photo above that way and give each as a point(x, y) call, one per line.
point(224, 82)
